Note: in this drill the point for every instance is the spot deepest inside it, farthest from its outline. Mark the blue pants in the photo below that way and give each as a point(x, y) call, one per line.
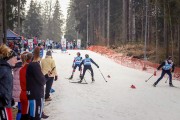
point(162, 75)
point(36, 108)
point(18, 116)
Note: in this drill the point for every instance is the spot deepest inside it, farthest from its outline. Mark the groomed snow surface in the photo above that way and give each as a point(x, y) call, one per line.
point(114, 100)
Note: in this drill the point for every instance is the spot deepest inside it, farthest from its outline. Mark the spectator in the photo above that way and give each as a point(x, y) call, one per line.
point(35, 82)
point(16, 87)
point(49, 70)
point(8, 58)
point(26, 58)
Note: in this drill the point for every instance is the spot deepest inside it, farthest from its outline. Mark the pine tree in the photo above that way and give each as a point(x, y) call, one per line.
point(32, 24)
point(12, 7)
point(71, 23)
point(57, 23)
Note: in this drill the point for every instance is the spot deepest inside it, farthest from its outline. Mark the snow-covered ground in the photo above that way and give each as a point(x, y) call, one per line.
point(114, 100)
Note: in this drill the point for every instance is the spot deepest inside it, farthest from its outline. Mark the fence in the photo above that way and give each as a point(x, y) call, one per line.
point(130, 61)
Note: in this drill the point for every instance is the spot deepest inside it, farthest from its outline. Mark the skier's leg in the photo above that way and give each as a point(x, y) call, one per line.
point(170, 78)
point(80, 71)
point(92, 73)
point(74, 69)
point(162, 75)
point(84, 71)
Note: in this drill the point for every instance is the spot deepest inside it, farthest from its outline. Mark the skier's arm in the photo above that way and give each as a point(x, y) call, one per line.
point(94, 63)
point(161, 66)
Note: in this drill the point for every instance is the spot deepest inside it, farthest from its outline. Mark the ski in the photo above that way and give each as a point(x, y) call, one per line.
point(79, 82)
point(68, 79)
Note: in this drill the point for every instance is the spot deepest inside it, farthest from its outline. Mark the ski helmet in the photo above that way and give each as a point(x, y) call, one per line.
point(87, 56)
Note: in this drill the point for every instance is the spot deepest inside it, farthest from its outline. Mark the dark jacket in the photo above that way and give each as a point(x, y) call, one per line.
point(163, 63)
point(35, 81)
point(6, 83)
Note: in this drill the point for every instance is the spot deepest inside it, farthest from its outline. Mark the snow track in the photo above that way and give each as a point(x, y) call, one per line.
point(114, 100)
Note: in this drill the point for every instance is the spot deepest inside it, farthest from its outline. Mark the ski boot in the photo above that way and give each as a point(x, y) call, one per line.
point(80, 81)
point(171, 85)
point(93, 80)
point(71, 77)
point(80, 76)
point(154, 85)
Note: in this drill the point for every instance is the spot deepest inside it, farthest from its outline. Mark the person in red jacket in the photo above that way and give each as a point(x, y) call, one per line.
point(26, 58)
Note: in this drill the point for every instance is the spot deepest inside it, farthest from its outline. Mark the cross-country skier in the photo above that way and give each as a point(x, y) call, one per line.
point(76, 63)
point(87, 66)
point(167, 68)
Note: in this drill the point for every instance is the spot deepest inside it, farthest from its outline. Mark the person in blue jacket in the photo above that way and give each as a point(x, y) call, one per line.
point(76, 63)
point(87, 66)
point(167, 67)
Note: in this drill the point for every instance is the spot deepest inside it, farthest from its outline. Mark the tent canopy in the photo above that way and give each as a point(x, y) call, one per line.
point(12, 35)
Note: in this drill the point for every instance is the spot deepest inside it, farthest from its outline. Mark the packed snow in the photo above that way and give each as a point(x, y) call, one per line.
point(112, 100)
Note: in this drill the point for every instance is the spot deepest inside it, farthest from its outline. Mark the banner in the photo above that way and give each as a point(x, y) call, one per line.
point(79, 43)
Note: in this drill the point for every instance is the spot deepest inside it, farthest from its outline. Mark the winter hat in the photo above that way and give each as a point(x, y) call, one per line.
point(49, 53)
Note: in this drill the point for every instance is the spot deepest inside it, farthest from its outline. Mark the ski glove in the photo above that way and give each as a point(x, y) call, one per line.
point(56, 77)
point(97, 66)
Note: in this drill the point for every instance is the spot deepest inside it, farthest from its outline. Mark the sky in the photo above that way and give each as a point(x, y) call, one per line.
point(63, 3)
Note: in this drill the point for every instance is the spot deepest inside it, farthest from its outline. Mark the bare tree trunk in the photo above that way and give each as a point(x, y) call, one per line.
point(103, 21)
point(133, 23)
point(142, 24)
point(130, 21)
point(108, 24)
point(19, 26)
point(1, 21)
point(124, 22)
point(99, 18)
point(157, 58)
point(4, 22)
point(171, 36)
point(165, 31)
point(179, 41)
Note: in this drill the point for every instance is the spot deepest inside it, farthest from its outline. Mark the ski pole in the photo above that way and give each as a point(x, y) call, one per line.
point(166, 80)
point(102, 75)
point(149, 78)
point(84, 80)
